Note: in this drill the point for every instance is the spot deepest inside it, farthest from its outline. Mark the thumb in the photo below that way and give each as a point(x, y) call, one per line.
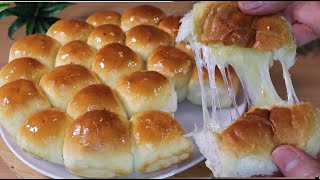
point(263, 7)
point(293, 162)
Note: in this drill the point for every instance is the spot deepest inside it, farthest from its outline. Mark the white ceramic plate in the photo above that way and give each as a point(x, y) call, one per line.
point(187, 114)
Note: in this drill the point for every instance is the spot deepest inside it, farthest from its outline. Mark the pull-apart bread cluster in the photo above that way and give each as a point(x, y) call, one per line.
point(221, 36)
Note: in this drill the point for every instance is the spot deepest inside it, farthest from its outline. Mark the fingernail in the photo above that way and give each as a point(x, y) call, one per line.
point(250, 5)
point(285, 158)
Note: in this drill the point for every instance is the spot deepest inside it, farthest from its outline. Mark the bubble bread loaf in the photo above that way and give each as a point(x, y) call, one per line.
point(76, 52)
point(23, 68)
point(104, 17)
point(42, 134)
point(141, 15)
point(158, 141)
point(146, 90)
point(95, 97)
point(20, 99)
point(97, 145)
point(144, 39)
point(66, 30)
point(106, 34)
point(175, 64)
point(114, 61)
point(63, 82)
point(38, 46)
point(221, 35)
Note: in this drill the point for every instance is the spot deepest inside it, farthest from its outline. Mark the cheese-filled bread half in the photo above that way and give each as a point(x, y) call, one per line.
point(42, 134)
point(146, 90)
point(175, 64)
point(20, 99)
point(158, 141)
point(66, 30)
point(38, 46)
point(95, 97)
point(23, 68)
point(76, 52)
point(63, 82)
point(104, 17)
point(97, 145)
point(221, 35)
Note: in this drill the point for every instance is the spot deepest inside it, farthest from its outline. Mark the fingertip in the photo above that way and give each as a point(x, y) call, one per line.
point(248, 6)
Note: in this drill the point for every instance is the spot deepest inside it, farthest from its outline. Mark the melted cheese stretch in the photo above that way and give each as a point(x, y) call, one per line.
point(252, 67)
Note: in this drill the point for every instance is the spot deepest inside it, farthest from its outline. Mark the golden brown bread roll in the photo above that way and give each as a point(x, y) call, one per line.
point(97, 145)
point(143, 14)
point(244, 148)
point(158, 141)
point(194, 91)
point(106, 34)
point(63, 82)
point(114, 61)
point(20, 99)
point(76, 52)
point(104, 17)
point(185, 47)
point(66, 30)
point(175, 64)
point(144, 39)
point(95, 97)
point(170, 24)
point(38, 46)
point(146, 90)
point(23, 68)
point(42, 134)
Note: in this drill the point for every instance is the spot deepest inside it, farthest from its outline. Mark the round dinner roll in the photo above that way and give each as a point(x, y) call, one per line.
point(97, 145)
point(143, 14)
point(175, 64)
point(42, 134)
point(185, 47)
point(114, 61)
point(146, 90)
point(170, 24)
point(194, 90)
point(104, 17)
point(144, 39)
point(67, 30)
point(106, 34)
point(63, 82)
point(20, 99)
point(76, 52)
point(95, 97)
point(38, 46)
point(158, 141)
point(23, 68)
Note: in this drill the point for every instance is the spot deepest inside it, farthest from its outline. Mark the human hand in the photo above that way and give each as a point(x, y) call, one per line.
point(303, 16)
point(293, 162)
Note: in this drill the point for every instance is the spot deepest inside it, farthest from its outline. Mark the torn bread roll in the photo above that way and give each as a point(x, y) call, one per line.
point(114, 61)
point(42, 134)
point(20, 99)
point(76, 52)
point(38, 46)
point(97, 145)
point(95, 97)
point(221, 35)
point(175, 64)
point(106, 34)
point(23, 68)
point(146, 90)
point(194, 87)
point(144, 39)
point(104, 17)
point(141, 15)
point(63, 82)
point(67, 30)
point(158, 141)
